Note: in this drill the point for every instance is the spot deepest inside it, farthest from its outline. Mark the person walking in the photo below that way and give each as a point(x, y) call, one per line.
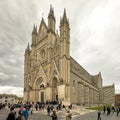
point(108, 110)
point(118, 109)
point(69, 115)
point(26, 113)
point(54, 115)
point(99, 113)
point(20, 112)
point(11, 115)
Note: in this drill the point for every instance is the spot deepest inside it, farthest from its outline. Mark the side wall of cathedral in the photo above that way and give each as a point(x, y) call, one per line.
point(83, 91)
point(117, 99)
point(109, 94)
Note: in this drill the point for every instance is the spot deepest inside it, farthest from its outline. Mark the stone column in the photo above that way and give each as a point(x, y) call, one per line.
point(96, 97)
point(91, 95)
point(80, 92)
point(36, 95)
point(86, 94)
point(28, 95)
point(67, 93)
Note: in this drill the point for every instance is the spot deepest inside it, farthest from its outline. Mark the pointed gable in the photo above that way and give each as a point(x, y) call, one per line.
point(43, 27)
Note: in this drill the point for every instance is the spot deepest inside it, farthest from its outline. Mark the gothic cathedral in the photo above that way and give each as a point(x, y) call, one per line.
point(51, 74)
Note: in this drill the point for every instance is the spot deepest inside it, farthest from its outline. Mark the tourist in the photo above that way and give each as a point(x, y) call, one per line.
point(43, 105)
point(31, 109)
point(48, 110)
point(70, 107)
point(26, 113)
point(40, 106)
point(11, 115)
point(52, 107)
point(54, 115)
point(118, 110)
point(36, 106)
point(113, 109)
point(57, 107)
point(99, 113)
point(20, 112)
point(108, 110)
point(104, 109)
point(69, 115)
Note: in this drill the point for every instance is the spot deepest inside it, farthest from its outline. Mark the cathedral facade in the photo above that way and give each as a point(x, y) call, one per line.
point(50, 73)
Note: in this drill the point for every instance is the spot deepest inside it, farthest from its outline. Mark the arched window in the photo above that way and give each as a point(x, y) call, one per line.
point(74, 86)
point(42, 53)
point(41, 86)
point(73, 82)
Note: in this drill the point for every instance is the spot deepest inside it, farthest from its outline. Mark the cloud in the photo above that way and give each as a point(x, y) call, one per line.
point(3, 76)
point(12, 90)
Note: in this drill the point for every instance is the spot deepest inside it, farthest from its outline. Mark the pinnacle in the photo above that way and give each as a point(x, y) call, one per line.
point(51, 13)
point(64, 14)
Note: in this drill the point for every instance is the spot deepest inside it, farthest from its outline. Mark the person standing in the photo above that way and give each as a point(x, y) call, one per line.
point(104, 109)
point(36, 106)
point(48, 110)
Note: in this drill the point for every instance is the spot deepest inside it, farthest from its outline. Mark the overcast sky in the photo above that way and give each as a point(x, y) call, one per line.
point(95, 37)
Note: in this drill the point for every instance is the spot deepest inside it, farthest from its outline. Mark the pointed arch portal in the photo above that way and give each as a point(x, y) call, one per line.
point(39, 90)
point(54, 89)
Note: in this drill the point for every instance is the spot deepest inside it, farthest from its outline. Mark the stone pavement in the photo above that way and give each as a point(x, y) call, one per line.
point(79, 113)
point(3, 114)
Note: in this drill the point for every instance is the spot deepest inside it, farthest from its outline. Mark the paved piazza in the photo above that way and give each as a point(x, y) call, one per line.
point(79, 113)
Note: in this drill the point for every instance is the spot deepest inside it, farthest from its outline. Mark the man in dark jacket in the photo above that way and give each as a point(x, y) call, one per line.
point(11, 115)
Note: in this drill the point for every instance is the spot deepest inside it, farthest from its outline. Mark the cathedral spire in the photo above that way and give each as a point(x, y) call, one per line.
point(64, 18)
point(28, 47)
point(34, 29)
point(51, 12)
point(51, 19)
point(64, 15)
point(34, 34)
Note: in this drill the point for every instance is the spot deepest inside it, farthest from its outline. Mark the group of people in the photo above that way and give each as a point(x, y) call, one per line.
point(42, 105)
point(54, 115)
point(111, 109)
point(52, 112)
point(108, 110)
point(23, 113)
point(52, 107)
point(26, 109)
point(2, 106)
